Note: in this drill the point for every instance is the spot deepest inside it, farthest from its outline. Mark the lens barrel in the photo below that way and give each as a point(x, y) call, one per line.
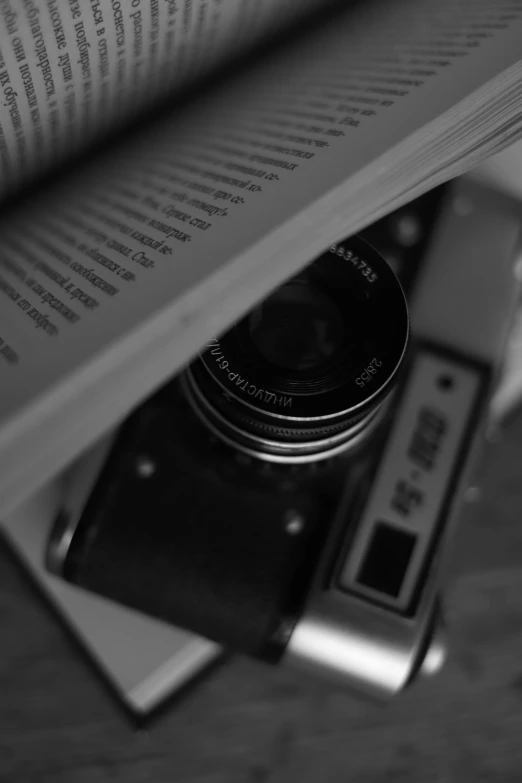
point(305, 374)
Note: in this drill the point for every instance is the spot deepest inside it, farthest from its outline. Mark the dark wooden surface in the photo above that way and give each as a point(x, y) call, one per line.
point(250, 723)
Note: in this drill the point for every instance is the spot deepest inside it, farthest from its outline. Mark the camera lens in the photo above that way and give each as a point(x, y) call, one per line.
point(305, 374)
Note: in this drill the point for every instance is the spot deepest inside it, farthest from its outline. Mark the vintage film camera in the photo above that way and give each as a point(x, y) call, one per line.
point(289, 495)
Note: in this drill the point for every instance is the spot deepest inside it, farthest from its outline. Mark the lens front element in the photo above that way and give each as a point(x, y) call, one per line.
point(297, 328)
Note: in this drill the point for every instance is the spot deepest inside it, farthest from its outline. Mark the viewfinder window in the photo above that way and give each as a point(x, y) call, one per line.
point(387, 558)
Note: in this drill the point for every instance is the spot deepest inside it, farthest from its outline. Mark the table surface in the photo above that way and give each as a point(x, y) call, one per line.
point(248, 722)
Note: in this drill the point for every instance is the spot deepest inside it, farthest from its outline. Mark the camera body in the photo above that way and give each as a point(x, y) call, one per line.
point(333, 563)
point(329, 565)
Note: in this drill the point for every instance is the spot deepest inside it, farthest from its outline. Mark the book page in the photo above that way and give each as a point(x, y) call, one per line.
point(72, 69)
point(114, 279)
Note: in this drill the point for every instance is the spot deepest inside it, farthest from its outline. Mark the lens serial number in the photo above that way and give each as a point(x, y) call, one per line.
point(364, 268)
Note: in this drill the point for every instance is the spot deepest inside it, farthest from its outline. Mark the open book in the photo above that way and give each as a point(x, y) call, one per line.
point(113, 274)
